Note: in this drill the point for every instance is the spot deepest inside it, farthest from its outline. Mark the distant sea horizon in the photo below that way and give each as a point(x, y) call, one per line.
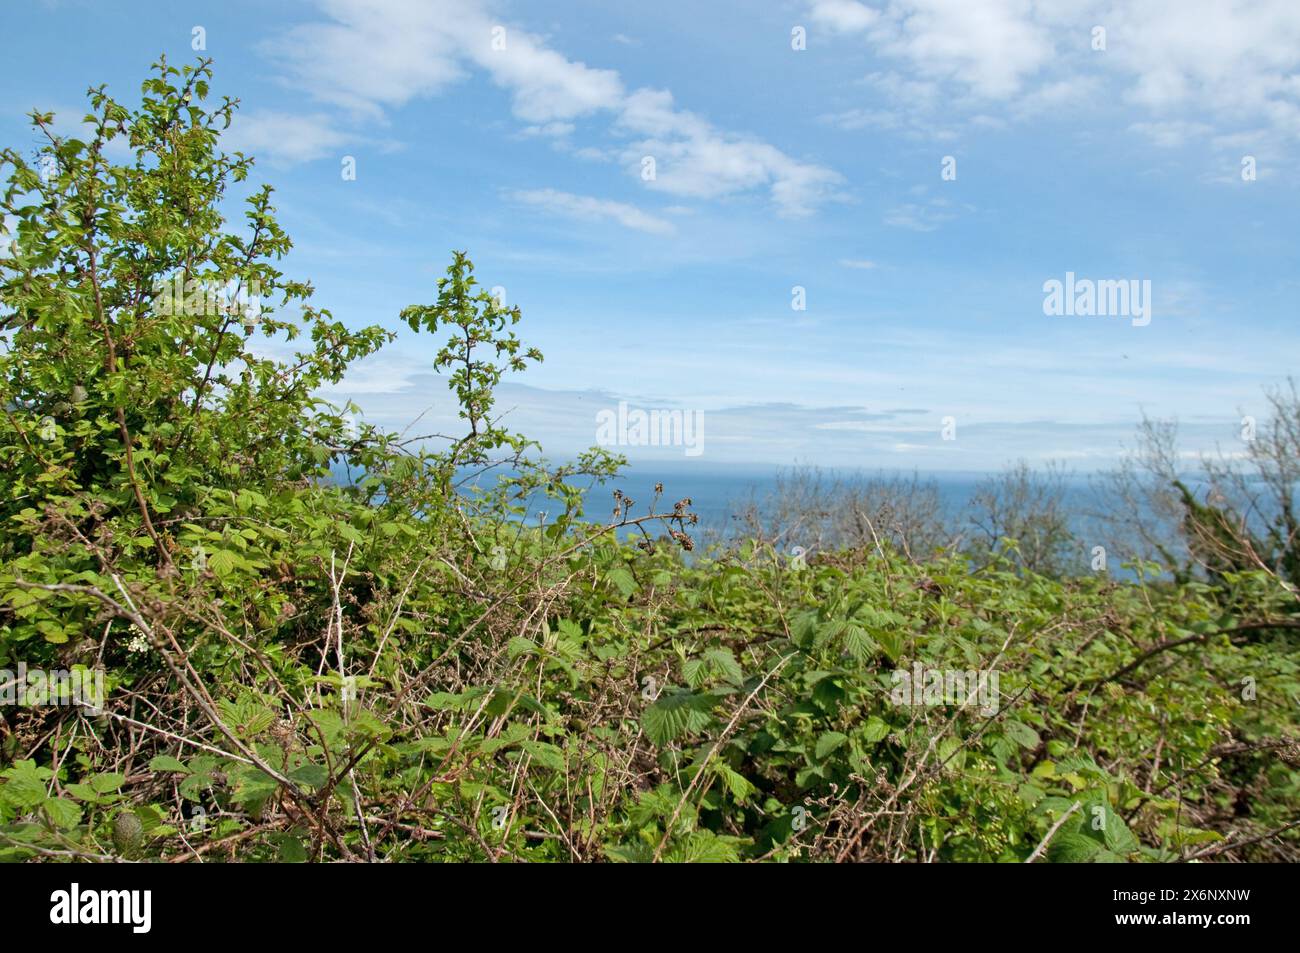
point(718, 492)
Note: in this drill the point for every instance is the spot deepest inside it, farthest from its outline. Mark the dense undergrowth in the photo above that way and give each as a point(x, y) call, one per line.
point(401, 669)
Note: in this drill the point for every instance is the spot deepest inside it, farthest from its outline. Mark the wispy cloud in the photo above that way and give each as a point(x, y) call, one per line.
point(921, 216)
point(694, 158)
point(593, 209)
point(285, 138)
point(1187, 63)
point(844, 16)
point(372, 56)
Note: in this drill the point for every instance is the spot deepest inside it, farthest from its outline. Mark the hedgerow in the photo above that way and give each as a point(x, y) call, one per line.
point(405, 666)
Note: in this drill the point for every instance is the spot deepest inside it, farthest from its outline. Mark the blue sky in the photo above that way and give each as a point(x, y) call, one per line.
point(775, 168)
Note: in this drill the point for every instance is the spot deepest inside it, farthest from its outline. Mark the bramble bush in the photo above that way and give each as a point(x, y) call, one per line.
point(401, 666)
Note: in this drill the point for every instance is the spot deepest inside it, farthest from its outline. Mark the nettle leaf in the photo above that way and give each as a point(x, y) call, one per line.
point(252, 785)
point(1021, 734)
point(623, 580)
point(165, 762)
point(675, 714)
point(222, 563)
point(192, 787)
point(310, 775)
point(24, 785)
point(951, 753)
point(891, 643)
point(630, 853)
point(1116, 833)
point(876, 729)
point(735, 782)
point(544, 753)
point(291, 849)
point(62, 812)
point(725, 664)
point(519, 645)
point(107, 782)
point(714, 662)
point(247, 716)
point(1072, 847)
point(858, 643)
point(828, 632)
point(512, 735)
point(803, 627)
point(829, 742)
point(703, 847)
point(82, 792)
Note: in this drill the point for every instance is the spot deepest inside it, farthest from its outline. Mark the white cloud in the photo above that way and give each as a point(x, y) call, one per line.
point(284, 137)
point(992, 46)
point(375, 55)
point(1172, 133)
point(372, 56)
point(693, 158)
point(593, 209)
point(546, 85)
point(1228, 56)
point(550, 130)
point(1184, 62)
point(843, 16)
point(921, 216)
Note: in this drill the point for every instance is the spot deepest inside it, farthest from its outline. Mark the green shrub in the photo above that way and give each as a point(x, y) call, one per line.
point(399, 668)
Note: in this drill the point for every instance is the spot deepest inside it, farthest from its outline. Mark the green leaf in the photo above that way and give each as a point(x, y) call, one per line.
point(82, 792)
point(858, 643)
point(165, 762)
point(1116, 833)
point(726, 665)
point(828, 742)
point(828, 632)
point(544, 753)
point(674, 714)
point(24, 786)
point(891, 643)
point(696, 672)
point(519, 645)
point(1072, 847)
point(876, 729)
point(252, 785)
point(310, 775)
point(735, 782)
point(222, 563)
point(62, 812)
point(1021, 734)
point(107, 782)
point(623, 580)
point(630, 853)
point(703, 847)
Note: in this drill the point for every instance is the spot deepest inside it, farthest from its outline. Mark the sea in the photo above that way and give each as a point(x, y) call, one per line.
point(720, 494)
